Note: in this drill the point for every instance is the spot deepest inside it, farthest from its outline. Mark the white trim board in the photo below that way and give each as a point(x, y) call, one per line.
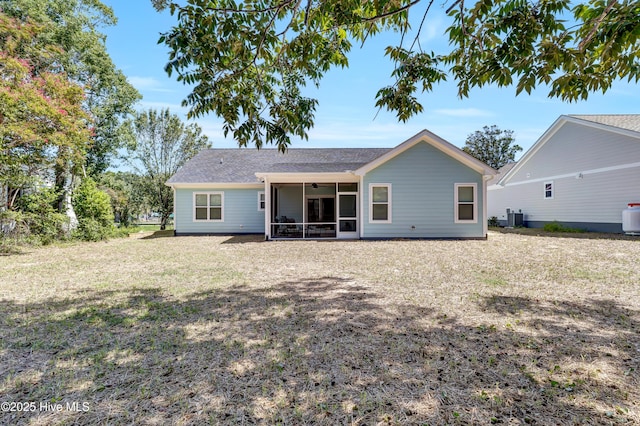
point(572, 175)
point(215, 185)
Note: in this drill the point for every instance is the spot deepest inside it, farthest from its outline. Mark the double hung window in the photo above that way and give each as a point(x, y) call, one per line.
point(466, 203)
point(380, 203)
point(208, 206)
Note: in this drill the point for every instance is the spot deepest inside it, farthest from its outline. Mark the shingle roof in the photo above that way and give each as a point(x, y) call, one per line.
point(622, 121)
point(239, 165)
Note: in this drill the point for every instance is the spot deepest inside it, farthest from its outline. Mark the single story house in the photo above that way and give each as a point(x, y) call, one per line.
point(423, 188)
point(582, 173)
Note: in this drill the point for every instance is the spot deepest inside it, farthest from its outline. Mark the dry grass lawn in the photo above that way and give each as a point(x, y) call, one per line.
point(519, 329)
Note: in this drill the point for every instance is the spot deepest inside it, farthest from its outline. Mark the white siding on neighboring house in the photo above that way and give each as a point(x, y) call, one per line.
point(594, 198)
point(575, 148)
point(595, 172)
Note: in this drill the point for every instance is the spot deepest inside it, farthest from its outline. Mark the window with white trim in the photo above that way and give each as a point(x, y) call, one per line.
point(466, 202)
point(380, 203)
point(548, 190)
point(208, 206)
point(261, 201)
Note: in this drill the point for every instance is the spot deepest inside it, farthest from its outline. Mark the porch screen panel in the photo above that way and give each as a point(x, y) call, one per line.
point(347, 206)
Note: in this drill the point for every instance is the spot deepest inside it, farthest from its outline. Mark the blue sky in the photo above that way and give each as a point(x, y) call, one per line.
point(346, 115)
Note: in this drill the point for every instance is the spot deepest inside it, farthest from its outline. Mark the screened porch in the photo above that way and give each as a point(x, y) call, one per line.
point(313, 210)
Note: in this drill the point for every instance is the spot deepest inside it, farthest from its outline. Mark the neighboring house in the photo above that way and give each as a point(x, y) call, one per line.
point(582, 173)
point(423, 188)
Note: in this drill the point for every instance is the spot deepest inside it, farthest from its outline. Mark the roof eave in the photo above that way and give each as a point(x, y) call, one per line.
point(297, 177)
point(203, 185)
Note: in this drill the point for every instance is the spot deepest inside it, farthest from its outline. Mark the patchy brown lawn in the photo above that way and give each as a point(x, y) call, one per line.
point(519, 329)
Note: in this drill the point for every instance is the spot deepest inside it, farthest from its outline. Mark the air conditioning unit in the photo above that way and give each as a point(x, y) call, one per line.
point(514, 219)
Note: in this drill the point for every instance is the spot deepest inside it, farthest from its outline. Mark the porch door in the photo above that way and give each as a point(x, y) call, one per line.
point(321, 209)
point(348, 215)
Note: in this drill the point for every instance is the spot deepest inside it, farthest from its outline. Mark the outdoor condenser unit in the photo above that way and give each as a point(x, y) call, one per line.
point(514, 219)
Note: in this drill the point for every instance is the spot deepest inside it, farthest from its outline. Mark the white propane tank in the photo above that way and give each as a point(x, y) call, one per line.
point(631, 219)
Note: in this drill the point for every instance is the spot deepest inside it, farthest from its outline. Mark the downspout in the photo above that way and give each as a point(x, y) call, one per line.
point(175, 216)
point(267, 208)
point(485, 224)
point(361, 213)
point(304, 210)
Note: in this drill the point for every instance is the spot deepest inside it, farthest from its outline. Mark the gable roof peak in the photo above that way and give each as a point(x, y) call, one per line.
point(437, 142)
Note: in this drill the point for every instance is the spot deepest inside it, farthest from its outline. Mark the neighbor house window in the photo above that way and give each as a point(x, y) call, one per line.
point(261, 201)
point(548, 190)
point(208, 206)
point(380, 202)
point(466, 203)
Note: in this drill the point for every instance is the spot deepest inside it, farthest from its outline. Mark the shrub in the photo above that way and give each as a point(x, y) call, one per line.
point(557, 227)
point(93, 209)
point(39, 216)
point(493, 221)
point(13, 231)
point(91, 230)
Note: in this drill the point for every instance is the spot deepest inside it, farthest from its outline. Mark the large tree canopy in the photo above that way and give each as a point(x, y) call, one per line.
point(74, 27)
point(248, 61)
point(42, 123)
point(493, 146)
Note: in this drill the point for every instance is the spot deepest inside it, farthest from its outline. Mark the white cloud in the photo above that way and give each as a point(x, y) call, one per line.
point(328, 133)
point(432, 29)
point(464, 112)
point(173, 107)
point(341, 133)
point(150, 84)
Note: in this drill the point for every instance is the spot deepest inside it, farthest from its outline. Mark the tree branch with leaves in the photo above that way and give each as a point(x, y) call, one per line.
point(249, 61)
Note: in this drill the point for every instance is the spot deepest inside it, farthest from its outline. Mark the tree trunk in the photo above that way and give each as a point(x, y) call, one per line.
point(64, 185)
point(60, 185)
point(4, 197)
point(164, 218)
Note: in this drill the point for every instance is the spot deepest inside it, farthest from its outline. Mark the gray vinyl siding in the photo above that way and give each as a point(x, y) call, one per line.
point(422, 196)
point(575, 148)
point(598, 197)
point(241, 213)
